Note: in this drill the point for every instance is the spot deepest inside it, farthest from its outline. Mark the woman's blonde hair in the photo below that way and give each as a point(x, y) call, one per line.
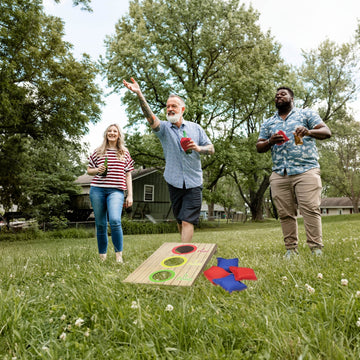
point(120, 144)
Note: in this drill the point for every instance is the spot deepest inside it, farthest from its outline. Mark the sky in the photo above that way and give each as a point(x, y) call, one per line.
point(296, 25)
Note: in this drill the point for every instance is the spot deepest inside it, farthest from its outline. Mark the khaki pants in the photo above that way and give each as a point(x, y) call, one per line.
point(304, 190)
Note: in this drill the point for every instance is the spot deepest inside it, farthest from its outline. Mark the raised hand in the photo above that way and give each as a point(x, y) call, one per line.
point(133, 86)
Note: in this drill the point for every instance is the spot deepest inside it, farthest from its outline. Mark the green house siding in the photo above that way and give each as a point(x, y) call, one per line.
point(160, 207)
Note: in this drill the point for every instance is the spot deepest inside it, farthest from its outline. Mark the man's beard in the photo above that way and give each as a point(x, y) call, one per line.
point(173, 118)
point(283, 105)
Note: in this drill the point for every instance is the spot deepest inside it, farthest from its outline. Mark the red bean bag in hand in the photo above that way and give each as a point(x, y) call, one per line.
point(285, 137)
point(184, 142)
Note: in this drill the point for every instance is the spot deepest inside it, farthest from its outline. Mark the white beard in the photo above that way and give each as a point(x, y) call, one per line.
point(173, 118)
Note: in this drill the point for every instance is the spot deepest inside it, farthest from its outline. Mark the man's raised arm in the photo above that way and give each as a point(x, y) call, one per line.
point(149, 115)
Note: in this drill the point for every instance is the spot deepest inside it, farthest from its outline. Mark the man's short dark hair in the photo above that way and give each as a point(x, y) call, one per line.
point(286, 88)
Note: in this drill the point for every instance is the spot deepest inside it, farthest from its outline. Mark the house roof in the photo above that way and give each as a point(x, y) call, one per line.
point(336, 202)
point(136, 174)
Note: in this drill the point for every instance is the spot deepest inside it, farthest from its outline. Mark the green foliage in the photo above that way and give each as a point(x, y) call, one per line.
point(47, 101)
point(340, 161)
point(48, 284)
point(328, 77)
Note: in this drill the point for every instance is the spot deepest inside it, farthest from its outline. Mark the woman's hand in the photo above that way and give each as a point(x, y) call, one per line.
point(128, 201)
point(101, 169)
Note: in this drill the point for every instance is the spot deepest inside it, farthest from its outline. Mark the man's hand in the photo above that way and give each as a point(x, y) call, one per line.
point(134, 87)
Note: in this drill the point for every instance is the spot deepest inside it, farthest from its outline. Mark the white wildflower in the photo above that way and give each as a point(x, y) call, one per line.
point(63, 317)
point(87, 332)
point(357, 294)
point(134, 305)
point(358, 323)
point(169, 308)
point(320, 275)
point(135, 322)
point(51, 320)
point(310, 289)
point(45, 348)
point(63, 336)
point(344, 282)
point(284, 278)
point(79, 322)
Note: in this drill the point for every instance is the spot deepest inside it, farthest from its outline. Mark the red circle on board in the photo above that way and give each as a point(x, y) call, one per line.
point(184, 249)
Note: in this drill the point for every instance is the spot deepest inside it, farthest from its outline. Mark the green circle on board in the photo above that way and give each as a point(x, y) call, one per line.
point(162, 276)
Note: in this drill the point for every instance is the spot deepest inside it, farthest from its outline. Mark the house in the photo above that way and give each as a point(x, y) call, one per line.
point(220, 213)
point(336, 206)
point(150, 197)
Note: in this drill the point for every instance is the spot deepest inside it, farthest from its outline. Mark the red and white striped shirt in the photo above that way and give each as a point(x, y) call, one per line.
point(115, 177)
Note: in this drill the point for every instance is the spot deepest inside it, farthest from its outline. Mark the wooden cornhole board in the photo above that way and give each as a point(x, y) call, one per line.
point(175, 264)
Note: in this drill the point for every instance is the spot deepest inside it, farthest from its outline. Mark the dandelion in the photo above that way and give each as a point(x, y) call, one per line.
point(357, 294)
point(320, 275)
point(169, 308)
point(134, 305)
point(79, 322)
point(63, 317)
point(63, 336)
point(344, 282)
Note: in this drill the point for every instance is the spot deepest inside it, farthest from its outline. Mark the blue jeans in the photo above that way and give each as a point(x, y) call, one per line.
point(107, 203)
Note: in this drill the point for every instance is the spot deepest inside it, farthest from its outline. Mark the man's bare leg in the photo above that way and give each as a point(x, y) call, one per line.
point(186, 232)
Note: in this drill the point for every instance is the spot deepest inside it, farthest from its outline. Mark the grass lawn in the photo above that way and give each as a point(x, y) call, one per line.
point(58, 301)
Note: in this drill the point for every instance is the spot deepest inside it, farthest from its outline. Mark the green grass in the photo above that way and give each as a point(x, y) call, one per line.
point(47, 284)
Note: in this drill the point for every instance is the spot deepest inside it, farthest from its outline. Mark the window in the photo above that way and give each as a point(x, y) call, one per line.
point(148, 192)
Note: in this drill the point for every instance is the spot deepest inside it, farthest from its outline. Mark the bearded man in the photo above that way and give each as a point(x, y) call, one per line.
point(183, 172)
point(295, 180)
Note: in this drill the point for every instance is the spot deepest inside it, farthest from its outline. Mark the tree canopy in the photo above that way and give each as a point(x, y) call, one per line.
point(47, 99)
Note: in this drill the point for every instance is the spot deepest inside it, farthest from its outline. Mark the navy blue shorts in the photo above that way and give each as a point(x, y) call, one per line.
point(186, 204)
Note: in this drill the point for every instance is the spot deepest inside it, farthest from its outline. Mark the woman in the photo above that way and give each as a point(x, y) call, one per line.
point(111, 164)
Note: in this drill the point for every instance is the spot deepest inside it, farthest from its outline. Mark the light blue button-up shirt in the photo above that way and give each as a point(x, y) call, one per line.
point(182, 168)
point(296, 159)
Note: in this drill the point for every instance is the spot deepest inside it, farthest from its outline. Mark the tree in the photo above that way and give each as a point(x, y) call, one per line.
point(214, 55)
point(329, 78)
point(47, 97)
point(340, 161)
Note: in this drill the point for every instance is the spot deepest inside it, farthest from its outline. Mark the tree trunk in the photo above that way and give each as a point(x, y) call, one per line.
point(210, 211)
point(355, 203)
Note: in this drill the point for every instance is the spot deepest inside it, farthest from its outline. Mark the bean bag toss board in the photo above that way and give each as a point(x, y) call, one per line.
point(175, 264)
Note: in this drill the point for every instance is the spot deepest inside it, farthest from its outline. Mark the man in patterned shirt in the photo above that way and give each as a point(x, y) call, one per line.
point(183, 172)
point(295, 180)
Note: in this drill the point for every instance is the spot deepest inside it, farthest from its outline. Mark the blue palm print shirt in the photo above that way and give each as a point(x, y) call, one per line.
point(181, 168)
point(295, 159)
